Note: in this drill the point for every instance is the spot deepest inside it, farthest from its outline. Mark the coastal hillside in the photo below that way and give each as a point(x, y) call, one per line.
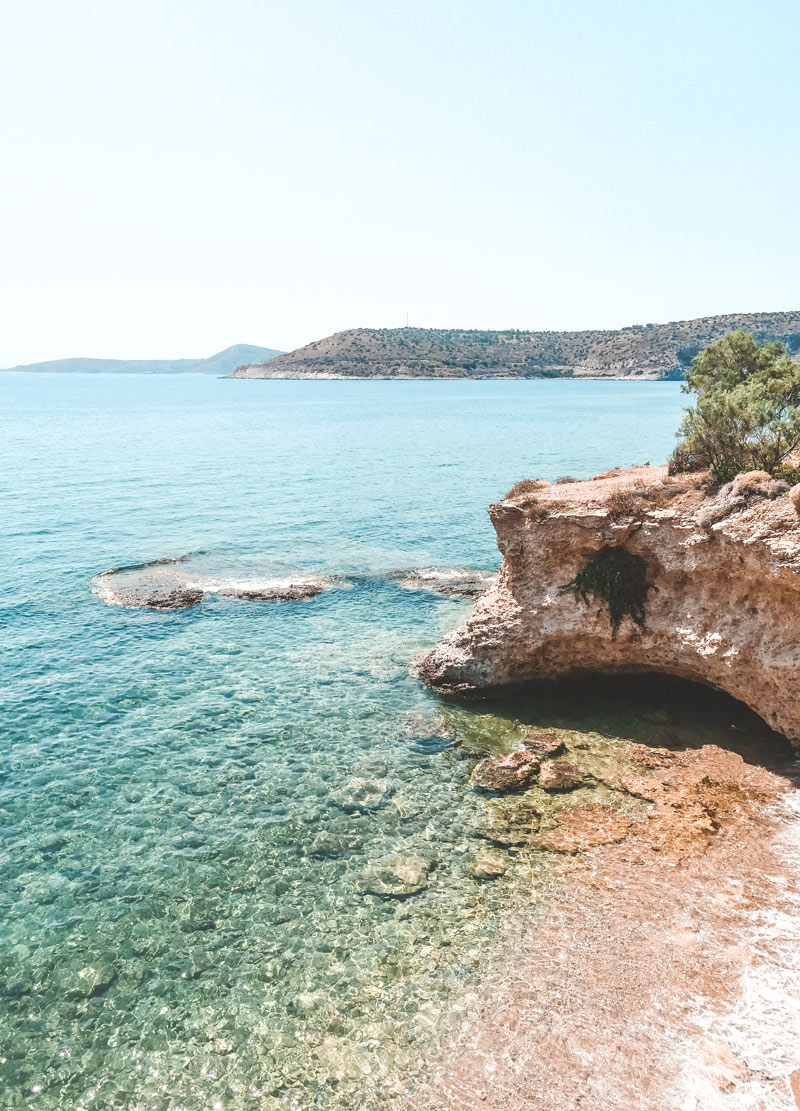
point(221, 364)
point(644, 351)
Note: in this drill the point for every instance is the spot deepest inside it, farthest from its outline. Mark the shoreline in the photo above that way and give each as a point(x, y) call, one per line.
point(665, 975)
point(331, 377)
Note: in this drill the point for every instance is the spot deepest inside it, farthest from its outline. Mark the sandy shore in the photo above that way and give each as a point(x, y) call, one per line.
point(666, 977)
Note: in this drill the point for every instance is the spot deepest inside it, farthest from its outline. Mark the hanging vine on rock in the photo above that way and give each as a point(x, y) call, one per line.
point(619, 579)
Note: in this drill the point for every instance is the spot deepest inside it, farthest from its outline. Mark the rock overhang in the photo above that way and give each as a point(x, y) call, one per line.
point(724, 608)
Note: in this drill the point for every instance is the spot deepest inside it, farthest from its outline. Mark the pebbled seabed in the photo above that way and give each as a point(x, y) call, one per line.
point(195, 803)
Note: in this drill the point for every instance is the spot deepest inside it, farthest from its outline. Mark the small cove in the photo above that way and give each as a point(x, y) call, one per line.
point(185, 921)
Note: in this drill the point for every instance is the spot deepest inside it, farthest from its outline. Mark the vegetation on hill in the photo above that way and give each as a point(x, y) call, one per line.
point(641, 351)
point(747, 413)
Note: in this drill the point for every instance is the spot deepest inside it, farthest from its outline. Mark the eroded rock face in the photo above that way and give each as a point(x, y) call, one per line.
point(723, 590)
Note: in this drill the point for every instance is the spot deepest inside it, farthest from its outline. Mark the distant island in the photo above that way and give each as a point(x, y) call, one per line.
point(223, 363)
point(642, 351)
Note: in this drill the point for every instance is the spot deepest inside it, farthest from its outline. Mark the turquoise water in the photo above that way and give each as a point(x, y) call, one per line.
point(187, 917)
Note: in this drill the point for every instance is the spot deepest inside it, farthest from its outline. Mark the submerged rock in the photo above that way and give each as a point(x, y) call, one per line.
point(543, 744)
point(584, 827)
point(502, 774)
point(79, 982)
point(510, 822)
point(560, 775)
point(332, 844)
point(395, 876)
point(428, 733)
point(488, 866)
point(657, 717)
point(361, 795)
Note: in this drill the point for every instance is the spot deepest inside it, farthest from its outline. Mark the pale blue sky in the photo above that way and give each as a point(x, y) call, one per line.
point(179, 175)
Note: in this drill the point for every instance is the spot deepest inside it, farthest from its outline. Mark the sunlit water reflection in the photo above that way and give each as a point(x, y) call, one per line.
point(193, 804)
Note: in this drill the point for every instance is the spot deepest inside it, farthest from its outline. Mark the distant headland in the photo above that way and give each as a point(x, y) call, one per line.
point(223, 363)
point(642, 351)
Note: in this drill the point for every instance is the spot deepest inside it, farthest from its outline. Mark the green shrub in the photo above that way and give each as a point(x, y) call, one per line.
point(788, 473)
point(747, 412)
point(618, 578)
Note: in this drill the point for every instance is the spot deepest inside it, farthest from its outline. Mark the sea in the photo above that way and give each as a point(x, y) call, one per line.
point(203, 811)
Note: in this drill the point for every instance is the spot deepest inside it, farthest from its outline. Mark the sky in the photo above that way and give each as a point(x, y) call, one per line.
point(182, 175)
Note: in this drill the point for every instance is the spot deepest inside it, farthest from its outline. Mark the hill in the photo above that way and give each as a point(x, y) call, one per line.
point(223, 363)
point(642, 351)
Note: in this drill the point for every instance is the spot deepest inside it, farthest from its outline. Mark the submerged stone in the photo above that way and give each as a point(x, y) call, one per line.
point(488, 866)
point(501, 774)
point(394, 876)
point(361, 795)
point(332, 844)
point(543, 744)
point(83, 982)
point(584, 827)
point(657, 717)
point(560, 775)
point(510, 822)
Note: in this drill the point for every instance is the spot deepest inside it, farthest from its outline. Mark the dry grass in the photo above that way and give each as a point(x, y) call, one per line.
point(622, 503)
point(525, 487)
point(639, 497)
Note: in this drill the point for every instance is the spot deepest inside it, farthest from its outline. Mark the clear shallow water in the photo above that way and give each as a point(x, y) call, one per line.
point(184, 916)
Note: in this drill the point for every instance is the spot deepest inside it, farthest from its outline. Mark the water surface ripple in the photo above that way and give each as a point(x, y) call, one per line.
point(190, 801)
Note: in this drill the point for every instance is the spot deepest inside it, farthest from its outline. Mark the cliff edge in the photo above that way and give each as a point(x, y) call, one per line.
point(636, 571)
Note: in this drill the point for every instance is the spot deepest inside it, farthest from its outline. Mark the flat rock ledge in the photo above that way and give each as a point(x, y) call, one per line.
point(722, 605)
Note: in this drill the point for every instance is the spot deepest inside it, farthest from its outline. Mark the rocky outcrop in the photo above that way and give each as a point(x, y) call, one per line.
point(636, 571)
point(446, 580)
point(174, 584)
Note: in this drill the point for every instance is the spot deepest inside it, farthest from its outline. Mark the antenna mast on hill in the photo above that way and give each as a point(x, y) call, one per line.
point(406, 320)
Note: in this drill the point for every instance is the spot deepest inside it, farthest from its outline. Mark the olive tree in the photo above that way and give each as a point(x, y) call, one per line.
point(747, 412)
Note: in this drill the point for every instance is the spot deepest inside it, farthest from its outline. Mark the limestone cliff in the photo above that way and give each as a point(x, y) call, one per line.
point(714, 589)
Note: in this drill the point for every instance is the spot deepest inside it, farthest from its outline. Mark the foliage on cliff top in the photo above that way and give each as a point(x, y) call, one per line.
point(747, 413)
point(618, 578)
